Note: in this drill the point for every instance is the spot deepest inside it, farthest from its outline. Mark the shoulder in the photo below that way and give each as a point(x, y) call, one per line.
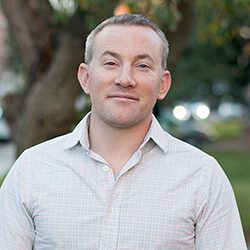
point(47, 147)
point(185, 160)
point(186, 152)
point(40, 156)
point(181, 153)
point(197, 163)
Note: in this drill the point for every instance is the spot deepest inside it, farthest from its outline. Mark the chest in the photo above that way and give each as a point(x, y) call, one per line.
point(96, 212)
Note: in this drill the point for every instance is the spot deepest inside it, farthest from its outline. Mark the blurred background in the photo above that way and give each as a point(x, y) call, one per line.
point(42, 44)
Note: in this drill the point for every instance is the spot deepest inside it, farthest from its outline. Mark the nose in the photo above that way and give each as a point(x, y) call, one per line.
point(125, 78)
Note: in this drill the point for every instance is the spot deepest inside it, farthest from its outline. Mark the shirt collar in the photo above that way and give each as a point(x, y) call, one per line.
point(80, 135)
point(158, 135)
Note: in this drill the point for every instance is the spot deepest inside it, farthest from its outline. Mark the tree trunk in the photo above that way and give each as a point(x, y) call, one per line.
point(45, 108)
point(49, 108)
point(179, 39)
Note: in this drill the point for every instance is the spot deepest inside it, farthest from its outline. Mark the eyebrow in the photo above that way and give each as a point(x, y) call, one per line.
point(110, 53)
point(116, 55)
point(144, 56)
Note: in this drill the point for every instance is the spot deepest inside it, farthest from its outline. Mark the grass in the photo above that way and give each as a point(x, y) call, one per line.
point(237, 167)
point(227, 129)
point(1, 180)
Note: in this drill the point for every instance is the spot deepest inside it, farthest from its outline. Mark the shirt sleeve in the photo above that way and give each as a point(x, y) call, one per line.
point(16, 227)
point(218, 224)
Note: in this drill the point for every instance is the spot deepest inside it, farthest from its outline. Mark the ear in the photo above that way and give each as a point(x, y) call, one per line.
point(165, 85)
point(83, 77)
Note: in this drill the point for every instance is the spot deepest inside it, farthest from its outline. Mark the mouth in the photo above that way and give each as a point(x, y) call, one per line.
point(123, 97)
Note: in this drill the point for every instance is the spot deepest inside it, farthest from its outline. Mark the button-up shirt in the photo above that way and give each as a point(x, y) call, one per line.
point(169, 195)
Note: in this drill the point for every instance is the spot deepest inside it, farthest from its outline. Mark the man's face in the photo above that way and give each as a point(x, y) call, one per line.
point(125, 77)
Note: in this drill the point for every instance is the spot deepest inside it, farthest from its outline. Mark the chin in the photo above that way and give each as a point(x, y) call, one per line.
point(124, 122)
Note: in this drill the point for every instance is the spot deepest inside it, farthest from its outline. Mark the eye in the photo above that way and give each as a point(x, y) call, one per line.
point(109, 63)
point(143, 66)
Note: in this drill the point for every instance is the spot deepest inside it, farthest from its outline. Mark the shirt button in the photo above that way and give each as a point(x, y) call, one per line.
point(105, 168)
point(110, 210)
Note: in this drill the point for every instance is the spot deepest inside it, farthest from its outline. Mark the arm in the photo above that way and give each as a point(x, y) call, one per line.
point(16, 226)
point(218, 224)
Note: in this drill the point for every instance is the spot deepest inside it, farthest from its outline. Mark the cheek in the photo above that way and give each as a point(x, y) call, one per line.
point(150, 95)
point(151, 87)
point(102, 78)
point(95, 83)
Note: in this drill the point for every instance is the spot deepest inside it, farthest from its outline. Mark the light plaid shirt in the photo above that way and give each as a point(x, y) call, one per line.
point(169, 195)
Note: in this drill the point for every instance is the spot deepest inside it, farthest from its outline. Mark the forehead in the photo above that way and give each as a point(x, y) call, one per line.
point(131, 38)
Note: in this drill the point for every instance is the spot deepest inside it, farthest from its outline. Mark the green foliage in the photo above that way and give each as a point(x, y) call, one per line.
point(219, 20)
point(242, 190)
point(214, 72)
point(165, 13)
point(217, 55)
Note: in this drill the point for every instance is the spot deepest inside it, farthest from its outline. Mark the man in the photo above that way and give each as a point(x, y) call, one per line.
point(118, 181)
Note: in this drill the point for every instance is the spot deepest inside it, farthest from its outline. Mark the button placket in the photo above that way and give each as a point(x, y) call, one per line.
point(111, 220)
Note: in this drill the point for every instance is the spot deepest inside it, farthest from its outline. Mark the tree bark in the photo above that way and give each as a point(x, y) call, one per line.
point(33, 39)
point(49, 108)
point(45, 108)
point(29, 24)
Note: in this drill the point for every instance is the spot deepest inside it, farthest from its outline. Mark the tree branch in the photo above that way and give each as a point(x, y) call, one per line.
point(29, 25)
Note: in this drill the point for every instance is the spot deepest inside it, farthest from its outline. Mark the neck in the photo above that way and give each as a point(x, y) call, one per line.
point(116, 145)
